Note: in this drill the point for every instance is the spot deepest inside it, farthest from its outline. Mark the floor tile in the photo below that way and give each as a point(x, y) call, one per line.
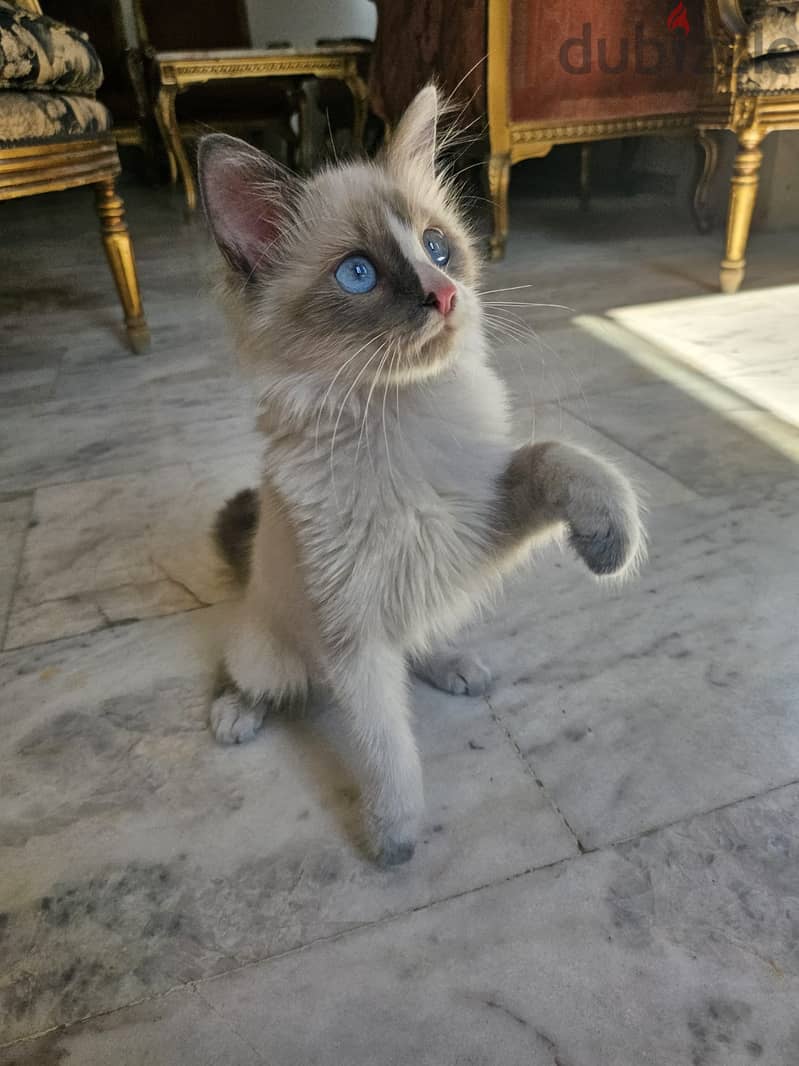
point(72, 439)
point(138, 855)
point(123, 548)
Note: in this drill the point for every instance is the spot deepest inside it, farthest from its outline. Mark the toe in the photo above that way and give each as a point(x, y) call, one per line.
point(231, 721)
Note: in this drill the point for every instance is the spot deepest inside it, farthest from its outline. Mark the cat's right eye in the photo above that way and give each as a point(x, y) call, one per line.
point(356, 274)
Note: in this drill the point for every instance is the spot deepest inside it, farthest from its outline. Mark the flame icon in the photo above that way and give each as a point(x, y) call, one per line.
point(678, 18)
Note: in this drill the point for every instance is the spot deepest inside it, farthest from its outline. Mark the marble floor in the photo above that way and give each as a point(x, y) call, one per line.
point(609, 869)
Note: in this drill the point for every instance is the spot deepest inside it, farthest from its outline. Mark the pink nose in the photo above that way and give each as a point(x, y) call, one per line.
point(444, 298)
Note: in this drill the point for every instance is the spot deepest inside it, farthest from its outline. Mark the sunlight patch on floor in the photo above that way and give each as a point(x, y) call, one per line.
point(748, 342)
point(650, 335)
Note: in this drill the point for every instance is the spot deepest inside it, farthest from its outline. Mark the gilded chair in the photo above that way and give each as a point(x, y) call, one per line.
point(55, 134)
point(535, 74)
point(754, 90)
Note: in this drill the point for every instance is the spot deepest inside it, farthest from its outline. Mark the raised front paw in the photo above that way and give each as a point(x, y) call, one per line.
point(604, 518)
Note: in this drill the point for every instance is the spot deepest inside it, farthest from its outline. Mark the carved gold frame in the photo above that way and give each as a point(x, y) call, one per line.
point(29, 169)
point(512, 141)
point(751, 117)
point(176, 72)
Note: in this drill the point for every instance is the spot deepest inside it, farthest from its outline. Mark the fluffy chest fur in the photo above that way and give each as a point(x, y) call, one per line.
point(390, 505)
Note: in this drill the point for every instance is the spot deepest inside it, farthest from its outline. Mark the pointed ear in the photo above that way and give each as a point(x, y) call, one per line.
point(414, 140)
point(246, 196)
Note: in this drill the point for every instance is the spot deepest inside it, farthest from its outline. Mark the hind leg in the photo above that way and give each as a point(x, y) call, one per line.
point(259, 671)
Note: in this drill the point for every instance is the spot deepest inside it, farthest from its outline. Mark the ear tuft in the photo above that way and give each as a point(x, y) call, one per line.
point(414, 140)
point(246, 196)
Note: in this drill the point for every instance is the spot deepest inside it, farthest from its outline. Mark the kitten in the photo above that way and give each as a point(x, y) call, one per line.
point(392, 499)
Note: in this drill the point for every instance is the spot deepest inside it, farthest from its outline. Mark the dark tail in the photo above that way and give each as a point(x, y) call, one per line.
point(234, 531)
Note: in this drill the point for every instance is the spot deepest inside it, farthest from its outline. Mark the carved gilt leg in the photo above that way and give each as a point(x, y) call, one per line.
point(498, 179)
point(360, 100)
point(743, 193)
point(170, 131)
point(708, 142)
point(119, 251)
point(165, 138)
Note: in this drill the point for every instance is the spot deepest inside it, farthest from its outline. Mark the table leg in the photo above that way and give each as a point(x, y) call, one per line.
point(168, 123)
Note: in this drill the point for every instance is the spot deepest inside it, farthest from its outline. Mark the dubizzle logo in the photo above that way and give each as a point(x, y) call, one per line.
point(678, 18)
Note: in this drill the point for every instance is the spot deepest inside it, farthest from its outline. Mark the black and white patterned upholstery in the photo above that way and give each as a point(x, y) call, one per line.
point(772, 44)
point(37, 52)
point(28, 117)
point(49, 73)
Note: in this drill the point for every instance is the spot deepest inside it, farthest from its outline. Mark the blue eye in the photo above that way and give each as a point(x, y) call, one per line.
point(437, 246)
point(356, 274)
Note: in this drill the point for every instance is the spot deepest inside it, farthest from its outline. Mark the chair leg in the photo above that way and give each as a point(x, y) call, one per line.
point(170, 131)
point(498, 179)
point(708, 142)
point(360, 99)
point(743, 193)
point(119, 251)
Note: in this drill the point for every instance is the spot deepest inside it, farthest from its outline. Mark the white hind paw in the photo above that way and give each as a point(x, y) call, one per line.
point(233, 720)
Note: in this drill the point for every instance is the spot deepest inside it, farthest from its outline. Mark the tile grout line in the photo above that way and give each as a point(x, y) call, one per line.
point(105, 627)
point(228, 1024)
point(18, 568)
point(530, 769)
point(640, 834)
point(627, 448)
point(192, 987)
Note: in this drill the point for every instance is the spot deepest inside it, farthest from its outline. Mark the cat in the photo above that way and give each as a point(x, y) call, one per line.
point(392, 499)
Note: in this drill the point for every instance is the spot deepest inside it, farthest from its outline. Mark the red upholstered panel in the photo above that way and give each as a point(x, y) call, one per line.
point(559, 49)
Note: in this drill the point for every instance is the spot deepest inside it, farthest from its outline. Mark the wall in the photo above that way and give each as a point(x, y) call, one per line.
point(303, 21)
point(299, 21)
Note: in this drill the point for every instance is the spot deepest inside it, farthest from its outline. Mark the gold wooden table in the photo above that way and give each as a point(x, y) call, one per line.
point(178, 71)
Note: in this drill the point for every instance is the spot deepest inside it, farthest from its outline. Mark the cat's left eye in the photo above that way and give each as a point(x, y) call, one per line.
point(437, 246)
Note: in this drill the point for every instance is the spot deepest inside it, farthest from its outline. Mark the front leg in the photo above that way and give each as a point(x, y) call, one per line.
point(370, 683)
point(547, 485)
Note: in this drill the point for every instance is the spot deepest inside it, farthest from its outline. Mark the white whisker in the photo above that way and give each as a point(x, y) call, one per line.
point(343, 367)
point(366, 408)
point(359, 375)
point(509, 288)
